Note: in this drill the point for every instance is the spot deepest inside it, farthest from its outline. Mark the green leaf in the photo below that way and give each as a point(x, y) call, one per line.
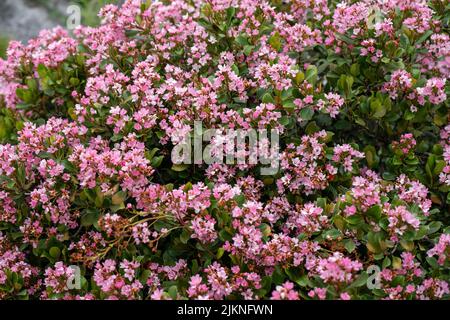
point(299, 77)
point(240, 199)
point(293, 274)
point(407, 245)
point(32, 84)
point(388, 176)
point(225, 235)
point(42, 71)
point(275, 41)
point(242, 40)
point(424, 37)
point(248, 50)
point(25, 95)
point(438, 167)
point(173, 292)
point(345, 84)
point(278, 276)
point(55, 252)
point(370, 155)
point(378, 110)
point(434, 227)
point(220, 253)
point(349, 245)
point(179, 167)
point(304, 281)
point(349, 82)
point(185, 236)
point(332, 234)
point(321, 202)
point(397, 161)
point(265, 229)
point(386, 262)
point(429, 166)
point(116, 137)
point(311, 74)
point(360, 281)
point(90, 217)
point(74, 81)
point(288, 106)
point(374, 212)
point(306, 113)
point(312, 127)
point(267, 98)
point(355, 219)
point(375, 242)
point(396, 263)
point(432, 262)
point(284, 120)
point(355, 70)
point(235, 69)
point(231, 11)
point(156, 161)
point(119, 198)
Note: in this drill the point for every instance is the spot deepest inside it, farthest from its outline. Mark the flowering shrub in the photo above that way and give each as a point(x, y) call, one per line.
point(356, 90)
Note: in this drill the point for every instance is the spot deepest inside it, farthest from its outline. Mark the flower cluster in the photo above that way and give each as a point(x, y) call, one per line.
point(307, 167)
point(93, 205)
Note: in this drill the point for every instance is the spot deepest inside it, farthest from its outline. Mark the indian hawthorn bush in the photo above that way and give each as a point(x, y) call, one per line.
point(356, 89)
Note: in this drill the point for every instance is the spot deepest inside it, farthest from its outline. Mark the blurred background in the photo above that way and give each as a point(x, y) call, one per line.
point(23, 19)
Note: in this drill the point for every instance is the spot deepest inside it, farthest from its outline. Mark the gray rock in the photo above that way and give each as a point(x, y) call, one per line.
point(23, 19)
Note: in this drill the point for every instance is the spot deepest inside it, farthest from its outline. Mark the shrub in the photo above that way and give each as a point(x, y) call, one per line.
point(357, 93)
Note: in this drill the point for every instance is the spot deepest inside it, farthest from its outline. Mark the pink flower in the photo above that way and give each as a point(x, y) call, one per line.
point(434, 90)
point(405, 145)
point(320, 293)
point(345, 296)
point(203, 228)
point(285, 292)
point(441, 249)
